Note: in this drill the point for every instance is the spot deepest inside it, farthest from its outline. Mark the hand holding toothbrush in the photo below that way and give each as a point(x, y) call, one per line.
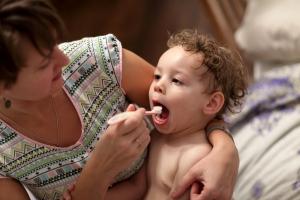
point(124, 115)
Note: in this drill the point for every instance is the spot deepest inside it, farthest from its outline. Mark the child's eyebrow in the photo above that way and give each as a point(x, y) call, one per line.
point(158, 67)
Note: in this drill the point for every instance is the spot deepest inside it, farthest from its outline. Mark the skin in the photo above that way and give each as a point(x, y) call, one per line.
point(179, 85)
point(30, 97)
point(40, 79)
point(218, 183)
point(188, 178)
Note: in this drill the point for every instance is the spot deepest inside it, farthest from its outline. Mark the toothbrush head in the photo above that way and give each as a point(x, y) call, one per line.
point(157, 109)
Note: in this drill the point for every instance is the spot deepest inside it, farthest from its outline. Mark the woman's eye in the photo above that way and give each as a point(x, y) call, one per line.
point(43, 67)
point(45, 64)
point(176, 81)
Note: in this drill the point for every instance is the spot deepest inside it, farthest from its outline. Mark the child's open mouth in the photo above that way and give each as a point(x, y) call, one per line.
point(163, 117)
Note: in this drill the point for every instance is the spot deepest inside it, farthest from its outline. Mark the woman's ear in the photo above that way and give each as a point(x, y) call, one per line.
point(215, 103)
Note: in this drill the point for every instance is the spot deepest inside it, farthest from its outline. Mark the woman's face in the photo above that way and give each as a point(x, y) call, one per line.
point(40, 76)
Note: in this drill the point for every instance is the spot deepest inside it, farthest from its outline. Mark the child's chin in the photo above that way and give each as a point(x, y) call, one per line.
point(162, 130)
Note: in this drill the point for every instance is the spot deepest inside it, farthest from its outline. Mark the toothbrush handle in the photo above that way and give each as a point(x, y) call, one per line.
point(122, 116)
point(117, 118)
point(151, 112)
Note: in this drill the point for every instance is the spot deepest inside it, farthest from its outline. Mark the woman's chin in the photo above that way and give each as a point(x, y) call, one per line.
point(57, 86)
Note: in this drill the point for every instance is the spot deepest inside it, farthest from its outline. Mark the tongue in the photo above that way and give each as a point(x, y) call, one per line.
point(160, 119)
point(164, 115)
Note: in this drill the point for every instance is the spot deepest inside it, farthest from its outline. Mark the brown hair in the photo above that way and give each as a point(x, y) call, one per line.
point(230, 76)
point(35, 20)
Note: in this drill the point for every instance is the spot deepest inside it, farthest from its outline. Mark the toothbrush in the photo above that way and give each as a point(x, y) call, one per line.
point(155, 110)
point(122, 116)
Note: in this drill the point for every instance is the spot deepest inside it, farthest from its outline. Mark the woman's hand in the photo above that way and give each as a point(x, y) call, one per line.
point(117, 149)
point(124, 142)
point(214, 176)
point(67, 195)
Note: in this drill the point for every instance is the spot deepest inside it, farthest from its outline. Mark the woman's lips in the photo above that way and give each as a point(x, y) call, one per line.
point(58, 76)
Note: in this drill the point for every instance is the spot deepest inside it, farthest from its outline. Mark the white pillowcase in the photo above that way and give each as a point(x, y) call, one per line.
point(270, 30)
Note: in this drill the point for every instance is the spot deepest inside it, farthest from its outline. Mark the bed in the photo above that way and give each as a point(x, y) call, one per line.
point(267, 131)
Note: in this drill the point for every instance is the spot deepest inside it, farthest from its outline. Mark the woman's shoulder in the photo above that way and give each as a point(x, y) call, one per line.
point(102, 51)
point(94, 44)
point(91, 58)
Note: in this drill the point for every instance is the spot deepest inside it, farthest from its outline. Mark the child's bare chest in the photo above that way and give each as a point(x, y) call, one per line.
point(169, 161)
point(164, 162)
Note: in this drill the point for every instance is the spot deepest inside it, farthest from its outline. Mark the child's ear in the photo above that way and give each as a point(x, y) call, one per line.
point(215, 103)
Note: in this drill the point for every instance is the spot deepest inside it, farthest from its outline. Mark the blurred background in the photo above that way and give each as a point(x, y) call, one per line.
point(143, 26)
point(267, 35)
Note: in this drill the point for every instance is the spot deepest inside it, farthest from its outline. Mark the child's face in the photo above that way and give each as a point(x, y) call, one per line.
point(180, 89)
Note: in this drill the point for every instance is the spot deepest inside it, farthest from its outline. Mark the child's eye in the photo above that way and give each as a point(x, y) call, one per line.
point(156, 76)
point(176, 81)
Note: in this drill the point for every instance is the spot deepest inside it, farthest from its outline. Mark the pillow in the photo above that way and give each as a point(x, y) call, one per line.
point(270, 30)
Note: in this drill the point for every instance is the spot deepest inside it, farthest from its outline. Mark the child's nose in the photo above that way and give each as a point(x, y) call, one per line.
point(159, 88)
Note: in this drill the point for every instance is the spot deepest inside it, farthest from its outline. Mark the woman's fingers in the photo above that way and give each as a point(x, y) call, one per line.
point(140, 130)
point(124, 142)
point(131, 107)
point(120, 117)
point(132, 121)
point(66, 196)
point(143, 139)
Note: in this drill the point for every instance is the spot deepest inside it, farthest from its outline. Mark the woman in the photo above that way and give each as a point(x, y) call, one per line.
point(56, 101)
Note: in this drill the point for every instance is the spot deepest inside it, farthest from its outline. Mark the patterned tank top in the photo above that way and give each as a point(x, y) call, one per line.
point(92, 82)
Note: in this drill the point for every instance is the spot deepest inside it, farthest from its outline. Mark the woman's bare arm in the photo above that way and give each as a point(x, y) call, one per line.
point(134, 188)
point(115, 151)
point(137, 75)
point(12, 190)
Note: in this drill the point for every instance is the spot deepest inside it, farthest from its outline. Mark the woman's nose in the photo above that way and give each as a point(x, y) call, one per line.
point(64, 59)
point(61, 58)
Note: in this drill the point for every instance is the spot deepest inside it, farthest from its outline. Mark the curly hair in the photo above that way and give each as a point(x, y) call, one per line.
point(35, 20)
point(230, 75)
